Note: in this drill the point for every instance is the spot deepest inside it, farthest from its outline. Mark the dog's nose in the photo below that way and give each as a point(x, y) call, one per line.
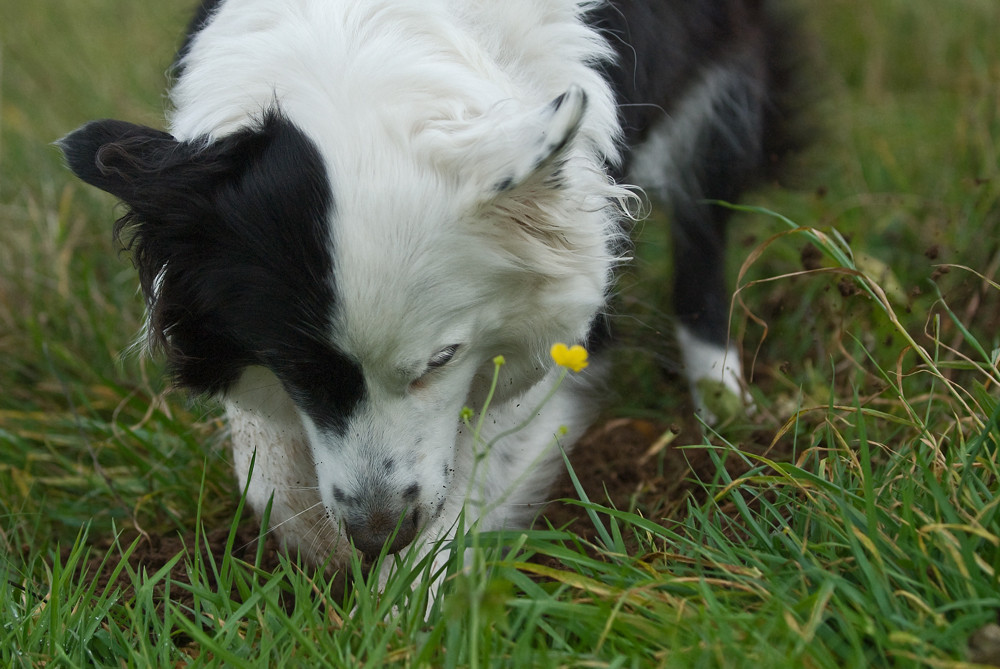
point(373, 529)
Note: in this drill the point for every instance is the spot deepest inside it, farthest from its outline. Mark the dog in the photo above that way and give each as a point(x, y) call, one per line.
point(361, 203)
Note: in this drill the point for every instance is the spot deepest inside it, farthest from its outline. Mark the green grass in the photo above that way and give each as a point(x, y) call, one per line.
point(866, 535)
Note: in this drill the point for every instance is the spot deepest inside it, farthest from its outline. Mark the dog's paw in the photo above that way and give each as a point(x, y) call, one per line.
point(718, 402)
point(714, 375)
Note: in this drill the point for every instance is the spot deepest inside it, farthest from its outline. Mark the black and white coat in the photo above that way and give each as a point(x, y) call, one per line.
point(359, 204)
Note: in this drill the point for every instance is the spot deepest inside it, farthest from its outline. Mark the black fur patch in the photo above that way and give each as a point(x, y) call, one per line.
point(231, 243)
point(664, 49)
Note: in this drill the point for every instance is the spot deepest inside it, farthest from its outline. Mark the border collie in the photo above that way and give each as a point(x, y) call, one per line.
point(360, 203)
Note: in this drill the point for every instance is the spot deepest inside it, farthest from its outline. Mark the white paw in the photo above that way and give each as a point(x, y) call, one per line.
point(715, 377)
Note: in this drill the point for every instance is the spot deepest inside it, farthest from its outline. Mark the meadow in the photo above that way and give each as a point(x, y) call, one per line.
point(851, 521)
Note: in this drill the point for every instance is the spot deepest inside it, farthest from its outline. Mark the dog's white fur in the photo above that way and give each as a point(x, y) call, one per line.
point(419, 110)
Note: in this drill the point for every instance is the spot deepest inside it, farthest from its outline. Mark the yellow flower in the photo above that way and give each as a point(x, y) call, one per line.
point(570, 357)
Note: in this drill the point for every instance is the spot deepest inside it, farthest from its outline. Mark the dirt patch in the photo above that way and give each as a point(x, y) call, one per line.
point(620, 463)
point(638, 464)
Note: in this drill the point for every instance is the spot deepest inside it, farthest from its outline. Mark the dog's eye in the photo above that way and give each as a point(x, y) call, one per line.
point(437, 361)
point(442, 357)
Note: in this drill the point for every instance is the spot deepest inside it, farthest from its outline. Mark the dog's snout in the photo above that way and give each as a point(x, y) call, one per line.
point(372, 529)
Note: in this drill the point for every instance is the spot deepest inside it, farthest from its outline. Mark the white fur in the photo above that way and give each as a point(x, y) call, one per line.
point(704, 361)
point(662, 162)
point(420, 108)
point(659, 162)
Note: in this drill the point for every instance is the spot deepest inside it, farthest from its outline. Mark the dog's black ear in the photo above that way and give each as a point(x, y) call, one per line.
point(117, 156)
point(228, 237)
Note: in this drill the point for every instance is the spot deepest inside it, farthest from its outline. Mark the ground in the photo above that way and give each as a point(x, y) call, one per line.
point(625, 462)
point(611, 462)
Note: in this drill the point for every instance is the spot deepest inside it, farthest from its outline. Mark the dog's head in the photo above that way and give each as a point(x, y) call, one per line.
point(375, 283)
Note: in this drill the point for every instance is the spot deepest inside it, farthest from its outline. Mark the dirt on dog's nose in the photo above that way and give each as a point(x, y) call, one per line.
point(374, 529)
